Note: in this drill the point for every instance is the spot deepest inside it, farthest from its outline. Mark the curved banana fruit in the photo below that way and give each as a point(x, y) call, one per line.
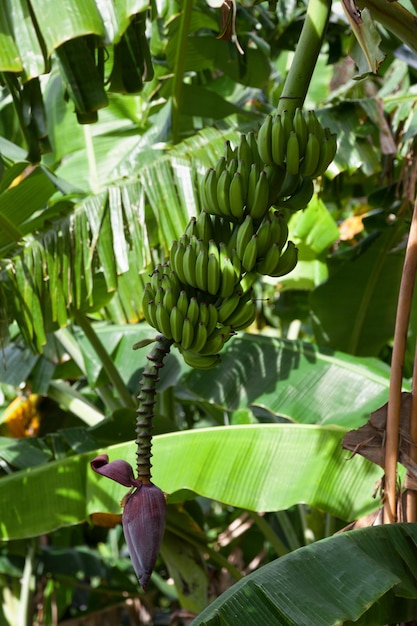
point(287, 261)
point(237, 199)
point(176, 321)
point(278, 142)
point(265, 141)
point(268, 264)
point(292, 157)
point(300, 199)
point(199, 361)
point(258, 205)
point(244, 235)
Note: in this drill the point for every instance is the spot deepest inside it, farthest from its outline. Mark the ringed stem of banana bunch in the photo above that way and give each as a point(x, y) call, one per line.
point(145, 411)
point(305, 57)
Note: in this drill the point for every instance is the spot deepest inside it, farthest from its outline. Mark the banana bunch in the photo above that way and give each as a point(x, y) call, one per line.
point(297, 145)
point(238, 185)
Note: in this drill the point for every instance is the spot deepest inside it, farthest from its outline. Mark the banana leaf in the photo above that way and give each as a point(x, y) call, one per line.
point(366, 576)
point(258, 467)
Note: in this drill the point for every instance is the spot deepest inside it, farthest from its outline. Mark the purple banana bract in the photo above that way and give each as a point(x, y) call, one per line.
point(143, 517)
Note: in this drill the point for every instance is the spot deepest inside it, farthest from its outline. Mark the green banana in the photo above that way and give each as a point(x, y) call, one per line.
point(193, 311)
point(176, 321)
point(259, 205)
point(278, 142)
point(228, 306)
point(244, 151)
point(237, 263)
point(187, 334)
point(300, 199)
point(237, 199)
point(170, 299)
point(217, 339)
point(243, 315)
point(265, 141)
point(287, 123)
point(253, 145)
point(314, 125)
point(200, 337)
point(311, 156)
point(221, 229)
point(149, 307)
point(159, 295)
point(228, 277)
point(220, 166)
point(328, 150)
point(210, 192)
point(279, 229)
point(198, 361)
point(213, 274)
point(189, 263)
point(213, 317)
point(243, 170)
point(204, 313)
point(177, 259)
point(201, 268)
point(250, 254)
point(264, 236)
point(231, 167)
point(292, 158)
point(300, 127)
point(287, 261)
point(290, 185)
point(229, 152)
point(182, 302)
point(162, 319)
point(270, 260)
point(191, 228)
point(223, 185)
point(244, 235)
point(204, 227)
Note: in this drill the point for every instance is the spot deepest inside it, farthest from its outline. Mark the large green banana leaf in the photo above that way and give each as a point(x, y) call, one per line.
point(366, 576)
point(258, 467)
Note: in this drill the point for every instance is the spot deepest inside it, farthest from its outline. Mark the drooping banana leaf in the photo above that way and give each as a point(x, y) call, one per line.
point(366, 576)
point(259, 467)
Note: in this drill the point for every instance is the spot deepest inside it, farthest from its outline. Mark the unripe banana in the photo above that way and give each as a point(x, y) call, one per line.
point(287, 261)
point(247, 281)
point(243, 315)
point(198, 361)
point(221, 229)
point(243, 169)
point(260, 203)
point(170, 299)
point(217, 339)
point(231, 167)
point(279, 229)
point(187, 334)
point(278, 142)
point(250, 254)
point(311, 156)
point(220, 167)
point(253, 145)
point(223, 201)
point(182, 303)
point(265, 141)
point(314, 125)
point(276, 176)
point(162, 319)
point(228, 306)
point(200, 337)
point(149, 307)
point(300, 127)
point(244, 151)
point(290, 185)
point(150, 290)
point(229, 152)
point(176, 321)
point(210, 191)
point(228, 277)
point(236, 197)
point(177, 260)
point(264, 236)
point(252, 181)
point(270, 261)
point(204, 313)
point(287, 124)
point(213, 317)
point(201, 269)
point(213, 274)
point(189, 263)
point(159, 295)
point(300, 199)
point(193, 312)
point(328, 150)
point(191, 228)
point(156, 277)
point(237, 263)
point(244, 235)
point(292, 159)
point(204, 227)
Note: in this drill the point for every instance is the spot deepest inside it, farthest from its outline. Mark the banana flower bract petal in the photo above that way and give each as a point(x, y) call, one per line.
point(143, 517)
